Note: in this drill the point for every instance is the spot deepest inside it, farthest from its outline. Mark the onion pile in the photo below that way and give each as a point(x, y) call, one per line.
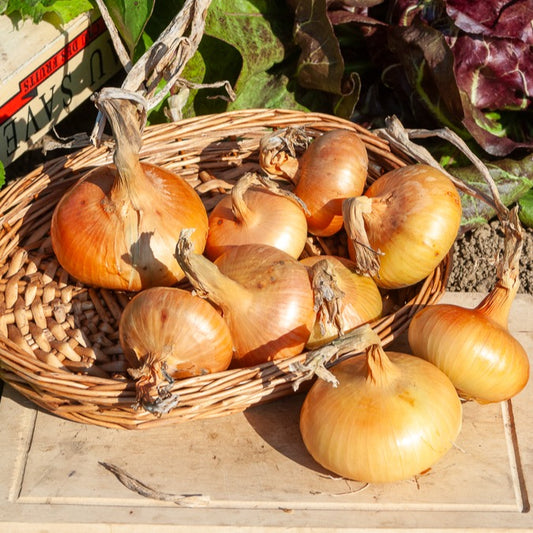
point(134, 226)
point(253, 291)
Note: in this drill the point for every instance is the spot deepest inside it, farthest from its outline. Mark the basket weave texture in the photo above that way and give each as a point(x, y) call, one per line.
point(59, 342)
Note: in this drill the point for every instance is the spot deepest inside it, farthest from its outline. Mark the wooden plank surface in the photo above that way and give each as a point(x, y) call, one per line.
point(251, 472)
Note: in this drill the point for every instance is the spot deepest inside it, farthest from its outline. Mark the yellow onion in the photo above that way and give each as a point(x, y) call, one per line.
point(265, 296)
point(404, 225)
point(391, 416)
point(118, 226)
point(256, 212)
point(168, 333)
point(344, 299)
point(280, 150)
point(333, 168)
point(474, 347)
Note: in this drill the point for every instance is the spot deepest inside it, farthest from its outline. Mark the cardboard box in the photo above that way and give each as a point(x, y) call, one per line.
point(45, 73)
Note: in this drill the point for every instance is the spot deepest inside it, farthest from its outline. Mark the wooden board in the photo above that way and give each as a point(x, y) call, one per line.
point(251, 472)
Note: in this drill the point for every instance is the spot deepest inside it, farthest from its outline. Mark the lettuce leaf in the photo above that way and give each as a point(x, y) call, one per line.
point(525, 212)
point(130, 19)
point(492, 70)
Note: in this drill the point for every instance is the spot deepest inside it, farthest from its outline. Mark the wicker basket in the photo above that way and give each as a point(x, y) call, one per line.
point(59, 340)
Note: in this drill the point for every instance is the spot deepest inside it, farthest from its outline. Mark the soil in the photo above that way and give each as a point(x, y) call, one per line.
point(475, 257)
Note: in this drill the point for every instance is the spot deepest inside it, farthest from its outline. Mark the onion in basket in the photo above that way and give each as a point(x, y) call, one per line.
point(110, 400)
point(257, 212)
point(391, 416)
point(333, 168)
point(404, 225)
point(168, 333)
point(343, 298)
point(118, 226)
point(265, 296)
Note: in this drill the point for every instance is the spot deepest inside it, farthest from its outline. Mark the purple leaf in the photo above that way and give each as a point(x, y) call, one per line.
point(504, 19)
point(495, 73)
point(491, 43)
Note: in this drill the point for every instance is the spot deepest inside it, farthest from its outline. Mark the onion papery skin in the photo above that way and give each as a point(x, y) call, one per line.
point(270, 219)
point(333, 168)
point(479, 355)
point(414, 220)
point(385, 429)
point(175, 327)
point(108, 238)
point(361, 303)
point(272, 316)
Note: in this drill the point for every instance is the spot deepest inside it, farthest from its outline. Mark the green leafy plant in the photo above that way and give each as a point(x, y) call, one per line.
point(55, 11)
point(130, 19)
point(358, 59)
point(2, 174)
point(525, 212)
point(265, 49)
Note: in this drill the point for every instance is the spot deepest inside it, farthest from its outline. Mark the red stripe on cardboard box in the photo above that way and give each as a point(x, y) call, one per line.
point(28, 86)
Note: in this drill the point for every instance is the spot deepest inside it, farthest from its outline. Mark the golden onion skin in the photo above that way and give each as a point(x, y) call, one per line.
point(124, 238)
point(361, 301)
point(479, 355)
point(414, 220)
point(333, 168)
point(270, 219)
point(381, 426)
point(270, 308)
point(178, 328)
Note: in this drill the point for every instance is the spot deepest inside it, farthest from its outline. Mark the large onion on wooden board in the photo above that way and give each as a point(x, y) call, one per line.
point(474, 347)
point(391, 416)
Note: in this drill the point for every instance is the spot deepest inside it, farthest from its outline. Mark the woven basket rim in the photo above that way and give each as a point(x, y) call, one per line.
point(195, 143)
